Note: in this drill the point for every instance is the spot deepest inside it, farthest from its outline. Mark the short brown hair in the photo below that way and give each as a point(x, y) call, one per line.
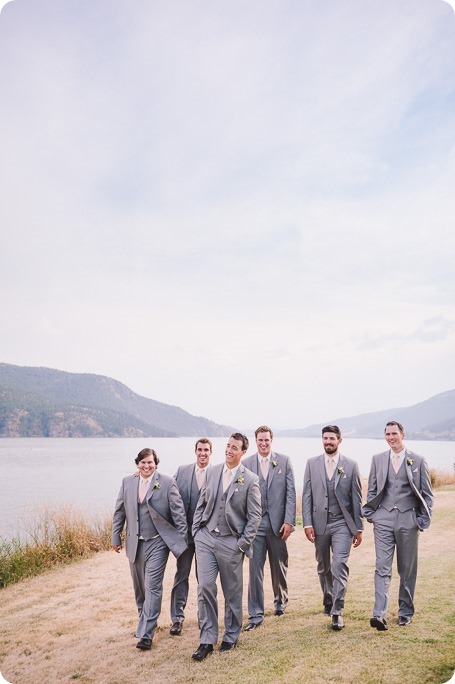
point(241, 438)
point(144, 453)
point(332, 428)
point(395, 422)
point(203, 440)
point(263, 428)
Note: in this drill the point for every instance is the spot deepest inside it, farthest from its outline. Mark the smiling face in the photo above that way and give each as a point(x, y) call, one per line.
point(203, 452)
point(234, 452)
point(394, 438)
point(147, 466)
point(264, 443)
point(331, 442)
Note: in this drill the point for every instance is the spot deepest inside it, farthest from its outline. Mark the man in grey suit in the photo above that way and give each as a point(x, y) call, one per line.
point(277, 485)
point(399, 504)
point(190, 479)
point(152, 509)
point(225, 523)
point(332, 518)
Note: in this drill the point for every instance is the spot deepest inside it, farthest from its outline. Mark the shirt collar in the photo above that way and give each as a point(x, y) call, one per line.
point(336, 458)
point(400, 454)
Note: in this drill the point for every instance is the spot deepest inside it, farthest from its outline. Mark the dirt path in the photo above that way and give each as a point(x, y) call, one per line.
point(77, 622)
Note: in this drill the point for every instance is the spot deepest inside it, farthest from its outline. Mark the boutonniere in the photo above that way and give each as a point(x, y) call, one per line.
point(240, 480)
point(274, 463)
point(340, 470)
point(409, 461)
point(157, 485)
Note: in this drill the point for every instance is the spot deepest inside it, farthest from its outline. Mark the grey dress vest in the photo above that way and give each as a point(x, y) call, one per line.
point(264, 489)
point(217, 520)
point(147, 529)
point(333, 507)
point(398, 492)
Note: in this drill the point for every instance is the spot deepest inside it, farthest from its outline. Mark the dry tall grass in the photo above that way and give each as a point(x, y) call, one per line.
point(54, 537)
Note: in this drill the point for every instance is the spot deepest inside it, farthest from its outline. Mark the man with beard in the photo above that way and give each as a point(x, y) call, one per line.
point(332, 518)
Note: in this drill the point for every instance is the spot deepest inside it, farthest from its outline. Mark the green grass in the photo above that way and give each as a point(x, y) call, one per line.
point(56, 537)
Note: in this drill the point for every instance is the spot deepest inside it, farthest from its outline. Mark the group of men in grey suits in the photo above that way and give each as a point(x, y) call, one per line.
point(222, 513)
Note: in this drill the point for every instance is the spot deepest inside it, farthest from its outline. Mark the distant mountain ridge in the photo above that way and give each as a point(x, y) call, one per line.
point(433, 418)
point(43, 402)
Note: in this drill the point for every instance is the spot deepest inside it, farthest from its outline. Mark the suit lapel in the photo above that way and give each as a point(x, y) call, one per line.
point(337, 471)
point(322, 472)
point(272, 468)
point(153, 486)
point(231, 488)
point(383, 468)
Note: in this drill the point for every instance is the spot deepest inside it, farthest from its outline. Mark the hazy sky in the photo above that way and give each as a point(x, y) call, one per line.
point(244, 208)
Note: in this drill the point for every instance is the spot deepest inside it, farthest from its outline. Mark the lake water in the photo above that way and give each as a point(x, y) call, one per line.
point(87, 473)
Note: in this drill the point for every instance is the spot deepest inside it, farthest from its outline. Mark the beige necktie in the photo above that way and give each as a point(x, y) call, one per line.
point(396, 462)
point(227, 479)
point(199, 477)
point(330, 468)
point(264, 467)
point(143, 486)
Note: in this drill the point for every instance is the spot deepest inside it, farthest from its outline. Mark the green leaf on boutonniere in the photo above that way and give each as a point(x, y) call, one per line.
point(409, 461)
point(240, 480)
point(157, 485)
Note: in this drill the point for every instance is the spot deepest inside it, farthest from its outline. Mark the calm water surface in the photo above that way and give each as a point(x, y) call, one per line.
point(87, 473)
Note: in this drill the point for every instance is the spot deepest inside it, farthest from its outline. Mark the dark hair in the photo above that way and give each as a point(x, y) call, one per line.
point(241, 438)
point(203, 440)
point(395, 422)
point(263, 428)
point(144, 453)
point(332, 428)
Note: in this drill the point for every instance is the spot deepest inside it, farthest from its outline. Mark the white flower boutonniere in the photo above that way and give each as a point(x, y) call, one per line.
point(409, 461)
point(274, 463)
point(157, 485)
point(340, 470)
point(240, 480)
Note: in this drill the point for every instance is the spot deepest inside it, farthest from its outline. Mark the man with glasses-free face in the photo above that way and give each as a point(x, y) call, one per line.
point(225, 523)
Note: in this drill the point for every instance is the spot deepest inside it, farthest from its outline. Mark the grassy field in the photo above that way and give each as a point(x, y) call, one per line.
point(77, 623)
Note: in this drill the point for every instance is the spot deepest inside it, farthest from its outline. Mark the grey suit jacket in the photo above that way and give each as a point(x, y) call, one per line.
point(243, 504)
point(166, 510)
point(280, 489)
point(348, 491)
point(419, 479)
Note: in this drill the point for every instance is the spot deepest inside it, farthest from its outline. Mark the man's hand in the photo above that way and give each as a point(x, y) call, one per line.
point(357, 539)
point(309, 531)
point(286, 530)
point(118, 548)
point(136, 474)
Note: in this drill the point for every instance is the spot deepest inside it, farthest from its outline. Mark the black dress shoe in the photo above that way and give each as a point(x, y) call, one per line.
point(144, 644)
point(227, 646)
point(252, 625)
point(279, 613)
point(404, 621)
point(327, 609)
point(379, 623)
point(202, 652)
point(176, 629)
point(337, 622)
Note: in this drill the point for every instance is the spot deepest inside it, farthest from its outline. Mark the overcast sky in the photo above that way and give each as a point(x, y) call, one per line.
point(243, 208)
